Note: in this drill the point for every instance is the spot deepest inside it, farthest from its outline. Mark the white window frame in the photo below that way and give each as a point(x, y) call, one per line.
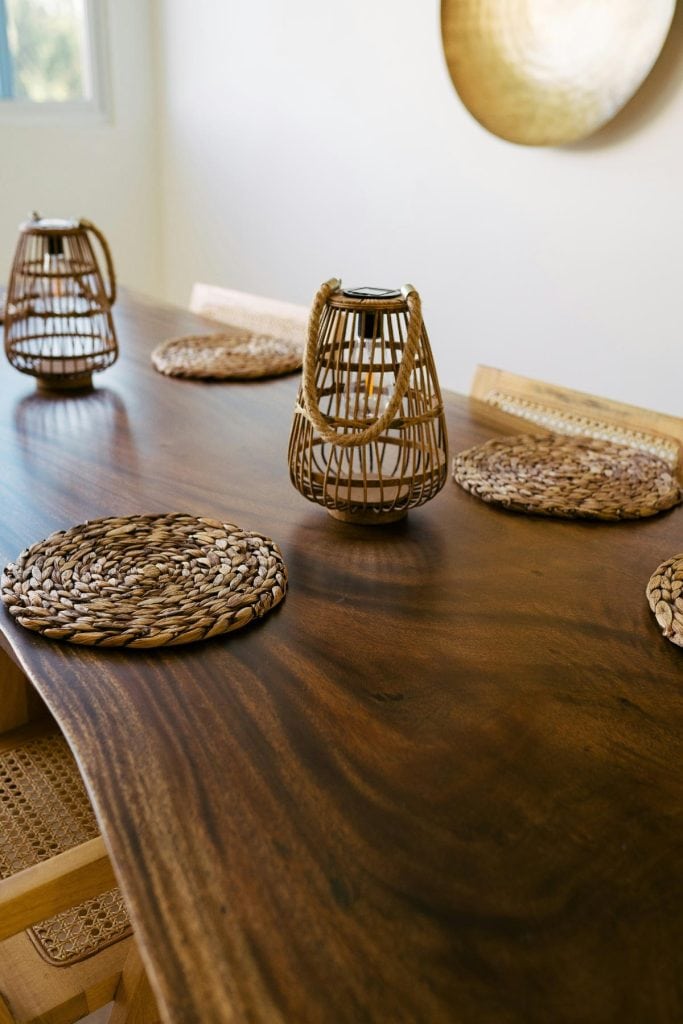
point(96, 109)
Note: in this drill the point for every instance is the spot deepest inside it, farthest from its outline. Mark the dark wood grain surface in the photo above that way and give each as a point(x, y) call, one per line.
point(442, 782)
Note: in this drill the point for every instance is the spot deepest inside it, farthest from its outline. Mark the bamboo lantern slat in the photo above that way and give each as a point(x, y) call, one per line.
point(368, 440)
point(58, 322)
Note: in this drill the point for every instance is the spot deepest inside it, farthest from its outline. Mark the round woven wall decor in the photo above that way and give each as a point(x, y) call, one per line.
point(550, 72)
point(227, 356)
point(665, 595)
point(144, 581)
point(568, 477)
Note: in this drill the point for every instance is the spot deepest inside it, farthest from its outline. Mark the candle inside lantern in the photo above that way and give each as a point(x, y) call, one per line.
point(370, 385)
point(54, 267)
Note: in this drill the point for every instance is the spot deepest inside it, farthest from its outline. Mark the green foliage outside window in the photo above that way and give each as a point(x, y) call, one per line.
point(46, 43)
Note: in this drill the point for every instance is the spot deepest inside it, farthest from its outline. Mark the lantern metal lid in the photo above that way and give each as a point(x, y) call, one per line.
point(50, 225)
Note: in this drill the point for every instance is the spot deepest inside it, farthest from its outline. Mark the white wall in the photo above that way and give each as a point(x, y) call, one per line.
point(305, 139)
point(106, 172)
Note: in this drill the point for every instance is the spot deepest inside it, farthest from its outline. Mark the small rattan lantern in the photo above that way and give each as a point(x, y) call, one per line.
point(58, 322)
point(369, 435)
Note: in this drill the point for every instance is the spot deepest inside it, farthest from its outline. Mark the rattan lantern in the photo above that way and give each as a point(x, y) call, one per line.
point(368, 440)
point(58, 322)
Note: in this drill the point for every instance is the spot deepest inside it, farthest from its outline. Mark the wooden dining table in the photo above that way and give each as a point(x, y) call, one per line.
point(441, 782)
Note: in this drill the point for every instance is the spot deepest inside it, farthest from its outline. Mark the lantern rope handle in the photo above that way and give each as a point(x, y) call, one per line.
point(89, 226)
point(311, 407)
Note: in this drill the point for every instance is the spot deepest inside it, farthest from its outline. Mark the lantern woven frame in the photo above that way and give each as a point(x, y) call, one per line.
point(368, 440)
point(58, 322)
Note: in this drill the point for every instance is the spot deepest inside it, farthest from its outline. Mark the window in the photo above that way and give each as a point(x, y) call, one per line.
point(50, 57)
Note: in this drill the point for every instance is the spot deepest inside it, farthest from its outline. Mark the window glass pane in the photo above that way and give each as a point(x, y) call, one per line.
point(47, 44)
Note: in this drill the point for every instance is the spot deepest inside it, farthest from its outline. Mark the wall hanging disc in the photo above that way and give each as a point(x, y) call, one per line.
point(548, 72)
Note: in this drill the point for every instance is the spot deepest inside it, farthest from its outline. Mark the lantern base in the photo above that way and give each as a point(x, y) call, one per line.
point(68, 382)
point(365, 517)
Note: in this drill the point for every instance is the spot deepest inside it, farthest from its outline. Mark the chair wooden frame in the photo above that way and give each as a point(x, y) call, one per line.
point(562, 410)
point(58, 995)
point(256, 313)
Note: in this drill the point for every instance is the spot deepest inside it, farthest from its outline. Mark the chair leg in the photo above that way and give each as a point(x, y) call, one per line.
point(5, 1016)
point(19, 702)
point(134, 1002)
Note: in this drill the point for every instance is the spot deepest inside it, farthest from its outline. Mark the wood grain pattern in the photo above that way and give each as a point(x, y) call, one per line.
point(442, 782)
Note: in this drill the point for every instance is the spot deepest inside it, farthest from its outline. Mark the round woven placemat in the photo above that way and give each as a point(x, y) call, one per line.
point(227, 356)
point(665, 595)
point(144, 581)
point(568, 477)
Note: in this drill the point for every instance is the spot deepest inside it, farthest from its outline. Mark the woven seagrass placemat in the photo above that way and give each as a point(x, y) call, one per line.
point(567, 477)
point(227, 356)
point(144, 581)
point(665, 595)
point(44, 810)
